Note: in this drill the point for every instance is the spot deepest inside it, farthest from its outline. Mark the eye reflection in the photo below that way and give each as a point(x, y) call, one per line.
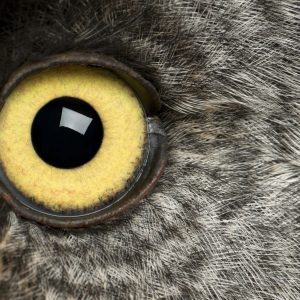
point(74, 120)
point(67, 132)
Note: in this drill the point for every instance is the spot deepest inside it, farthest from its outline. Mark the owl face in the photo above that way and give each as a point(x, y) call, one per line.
point(221, 222)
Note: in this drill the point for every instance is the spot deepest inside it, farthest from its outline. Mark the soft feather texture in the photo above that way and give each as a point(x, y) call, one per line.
point(223, 223)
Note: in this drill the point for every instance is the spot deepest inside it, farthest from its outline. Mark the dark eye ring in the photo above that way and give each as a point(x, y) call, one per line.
point(144, 180)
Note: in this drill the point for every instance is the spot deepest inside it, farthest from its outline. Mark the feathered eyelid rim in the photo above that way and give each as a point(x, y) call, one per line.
point(144, 90)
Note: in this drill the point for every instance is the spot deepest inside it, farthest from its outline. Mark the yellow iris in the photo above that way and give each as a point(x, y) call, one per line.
point(108, 172)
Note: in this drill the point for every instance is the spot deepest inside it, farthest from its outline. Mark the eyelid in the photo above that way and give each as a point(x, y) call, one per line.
point(144, 90)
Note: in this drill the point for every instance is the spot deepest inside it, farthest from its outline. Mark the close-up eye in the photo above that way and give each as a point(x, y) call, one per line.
point(80, 140)
point(149, 149)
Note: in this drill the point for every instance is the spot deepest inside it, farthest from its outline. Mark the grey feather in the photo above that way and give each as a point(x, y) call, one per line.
point(223, 223)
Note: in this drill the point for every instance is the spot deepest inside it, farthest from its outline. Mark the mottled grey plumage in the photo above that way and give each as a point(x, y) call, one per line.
point(223, 223)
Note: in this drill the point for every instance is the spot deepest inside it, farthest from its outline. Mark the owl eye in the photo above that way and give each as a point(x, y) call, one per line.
point(79, 140)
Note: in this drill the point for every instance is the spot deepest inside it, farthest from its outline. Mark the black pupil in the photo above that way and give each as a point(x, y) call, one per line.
point(67, 132)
